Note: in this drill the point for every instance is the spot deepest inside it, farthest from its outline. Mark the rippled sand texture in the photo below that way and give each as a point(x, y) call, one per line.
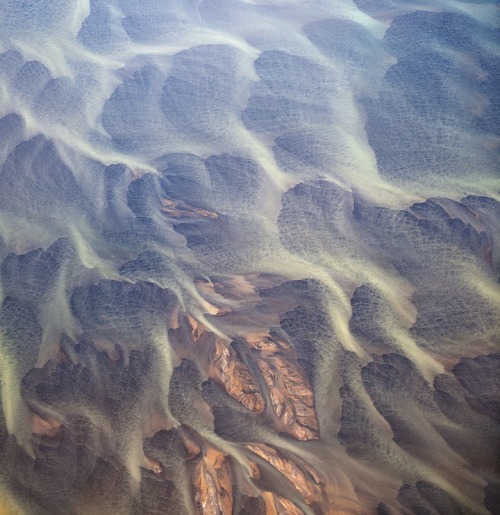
point(249, 257)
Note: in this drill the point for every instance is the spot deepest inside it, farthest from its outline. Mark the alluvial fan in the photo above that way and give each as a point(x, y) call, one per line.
point(249, 257)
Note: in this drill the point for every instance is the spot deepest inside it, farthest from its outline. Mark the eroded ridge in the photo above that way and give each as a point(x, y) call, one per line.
point(179, 209)
point(213, 483)
point(232, 373)
point(304, 478)
point(291, 395)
